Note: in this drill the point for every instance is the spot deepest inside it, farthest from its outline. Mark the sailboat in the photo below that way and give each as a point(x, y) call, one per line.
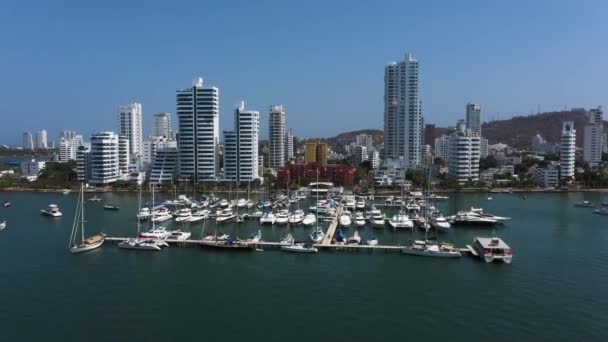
point(146, 244)
point(83, 245)
point(317, 234)
point(155, 232)
point(401, 220)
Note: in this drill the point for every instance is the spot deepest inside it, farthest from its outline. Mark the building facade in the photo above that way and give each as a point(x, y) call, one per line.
point(164, 166)
point(474, 118)
point(360, 153)
point(289, 139)
point(365, 140)
point(198, 138)
point(276, 137)
point(104, 158)
point(162, 125)
point(567, 150)
point(547, 176)
point(402, 112)
point(593, 144)
point(68, 146)
point(241, 153)
point(441, 147)
point(28, 141)
point(130, 121)
point(153, 144)
point(83, 163)
point(42, 140)
point(463, 154)
point(124, 155)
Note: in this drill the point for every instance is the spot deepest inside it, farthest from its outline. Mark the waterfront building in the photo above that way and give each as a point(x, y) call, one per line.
point(360, 154)
point(104, 158)
point(32, 168)
point(28, 141)
point(463, 154)
point(68, 146)
point(41, 140)
point(153, 144)
point(130, 121)
point(402, 112)
point(474, 118)
point(277, 137)
point(162, 125)
point(83, 163)
point(289, 138)
point(123, 155)
point(339, 174)
point(365, 140)
point(441, 147)
point(164, 165)
point(593, 144)
point(198, 132)
point(241, 146)
point(567, 150)
point(547, 176)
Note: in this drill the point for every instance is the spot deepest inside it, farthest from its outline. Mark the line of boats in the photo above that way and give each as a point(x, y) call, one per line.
point(602, 209)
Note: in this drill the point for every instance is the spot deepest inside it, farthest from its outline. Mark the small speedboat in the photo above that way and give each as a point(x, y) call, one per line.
point(359, 219)
point(140, 244)
point(52, 210)
point(110, 207)
point(309, 219)
point(306, 248)
point(345, 220)
point(179, 235)
point(66, 191)
point(94, 199)
point(3, 225)
point(287, 240)
point(584, 204)
point(355, 239)
point(268, 218)
point(601, 211)
point(6, 204)
point(372, 241)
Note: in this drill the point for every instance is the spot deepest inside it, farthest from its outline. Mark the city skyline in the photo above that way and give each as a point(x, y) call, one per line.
point(507, 69)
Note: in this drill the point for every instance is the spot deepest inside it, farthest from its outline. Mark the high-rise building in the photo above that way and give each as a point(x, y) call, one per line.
point(310, 153)
point(322, 153)
point(402, 112)
point(83, 163)
point(241, 146)
point(360, 154)
point(593, 145)
point(198, 133)
point(104, 158)
point(153, 144)
point(374, 158)
point(463, 154)
point(484, 149)
point(68, 146)
point(28, 141)
point(124, 155)
point(164, 166)
point(162, 125)
point(429, 134)
point(365, 140)
point(67, 134)
point(289, 145)
point(474, 118)
point(276, 137)
point(41, 140)
point(567, 150)
point(131, 126)
point(441, 147)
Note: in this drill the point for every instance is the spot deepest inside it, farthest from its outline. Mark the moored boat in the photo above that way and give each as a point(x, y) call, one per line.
point(89, 243)
point(52, 210)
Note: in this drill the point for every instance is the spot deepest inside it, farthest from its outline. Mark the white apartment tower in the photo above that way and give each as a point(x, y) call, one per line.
point(162, 125)
point(365, 140)
point(474, 118)
point(360, 153)
point(83, 163)
point(289, 145)
point(68, 146)
point(241, 153)
point(131, 126)
point(124, 155)
point(463, 154)
point(28, 141)
point(441, 147)
point(104, 158)
point(198, 126)
point(402, 112)
point(41, 140)
point(567, 150)
point(276, 136)
point(593, 145)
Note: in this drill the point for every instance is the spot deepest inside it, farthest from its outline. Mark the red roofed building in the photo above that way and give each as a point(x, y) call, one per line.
point(339, 174)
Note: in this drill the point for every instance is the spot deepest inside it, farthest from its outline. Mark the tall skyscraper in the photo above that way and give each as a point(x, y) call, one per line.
point(241, 146)
point(83, 163)
point(474, 118)
point(41, 140)
point(124, 155)
point(131, 126)
point(276, 137)
point(365, 140)
point(104, 158)
point(463, 154)
point(593, 145)
point(68, 147)
point(162, 125)
point(567, 150)
point(289, 145)
point(28, 141)
point(316, 152)
point(198, 120)
point(402, 112)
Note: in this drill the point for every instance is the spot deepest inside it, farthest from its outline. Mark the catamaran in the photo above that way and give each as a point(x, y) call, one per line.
point(268, 218)
point(87, 244)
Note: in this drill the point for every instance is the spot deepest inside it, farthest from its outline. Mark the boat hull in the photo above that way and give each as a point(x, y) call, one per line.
point(86, 247)
point(298, 249)
point(428, 253)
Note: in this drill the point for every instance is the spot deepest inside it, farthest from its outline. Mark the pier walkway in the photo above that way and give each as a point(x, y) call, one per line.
point(331, 230)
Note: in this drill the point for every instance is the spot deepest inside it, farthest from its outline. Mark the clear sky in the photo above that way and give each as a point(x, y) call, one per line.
point(70, 64)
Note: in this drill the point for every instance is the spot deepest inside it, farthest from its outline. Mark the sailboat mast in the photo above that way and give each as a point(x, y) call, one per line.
point(82, 212)
point(152, 210)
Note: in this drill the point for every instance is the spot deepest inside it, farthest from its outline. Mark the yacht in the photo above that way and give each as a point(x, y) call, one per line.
point(225, 215)
point(296, 217)
point(376, 218)
point(372, 241)
point(431, 249)
point(439, 222)
point(309, 219)
point(199, 215)
point(158, 233)
point(305, 248)
point(471, 219)
point(349, 203)
point(140, 244)
point(401, 221)
point(241, 203)
point(282, 217)
point(287, 240)
point(179, 235)
point(492, 249)
point(268, 218)
point(215, 237)
point(255, 237)
point(144, 214)
point(317, 235)
point(355, 239)
point(95, 199)
point(52, 210)
point(359, 219)
point(360, 204)
point(479, 212)
point(584, 204)
point(345, 220)
point(183, 215)
point(161, 215)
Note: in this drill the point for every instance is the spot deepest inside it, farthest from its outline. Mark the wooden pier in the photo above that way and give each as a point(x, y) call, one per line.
point(331, 230)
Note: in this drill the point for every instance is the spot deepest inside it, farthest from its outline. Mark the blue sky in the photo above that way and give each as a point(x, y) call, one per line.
point(70, 64)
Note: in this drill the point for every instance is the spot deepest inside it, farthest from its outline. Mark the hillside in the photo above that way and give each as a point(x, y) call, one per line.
point(519, 130)
point(338, 142)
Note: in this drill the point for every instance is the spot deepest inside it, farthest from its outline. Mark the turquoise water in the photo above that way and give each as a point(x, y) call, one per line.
point(554, 290)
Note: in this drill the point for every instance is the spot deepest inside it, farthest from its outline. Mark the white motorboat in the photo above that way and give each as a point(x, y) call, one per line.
point(282, 217)
point(359, 219)
point(157, 233)
point(224, 203)
point(401, 221)
point(287, 240)
point(215, 237)
point(78, 243)
point(372, 241)
point(431, 249)
point(360, 204)
point(296, 217)
point(144, 214)
point(241, 203)
point(437, 197)
point(479, 212)
point(349, 203)
point(66, 191)
point(317, 235)
point(471, 219)
point(161, 215)
point(492, 249)
point(355, 239)
point(309, 219)
point(225, 215)
point(440, 223)
point(6, 204)
point(140, 244)
point(376, 218)
point(95, 199)
point(52, 210)
point(268, 218)
point(255, 237)
point(3, 225)
point(345, 220)
point(306, 248)
point(199, 215)
point(179, 235)
point(184, 215)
